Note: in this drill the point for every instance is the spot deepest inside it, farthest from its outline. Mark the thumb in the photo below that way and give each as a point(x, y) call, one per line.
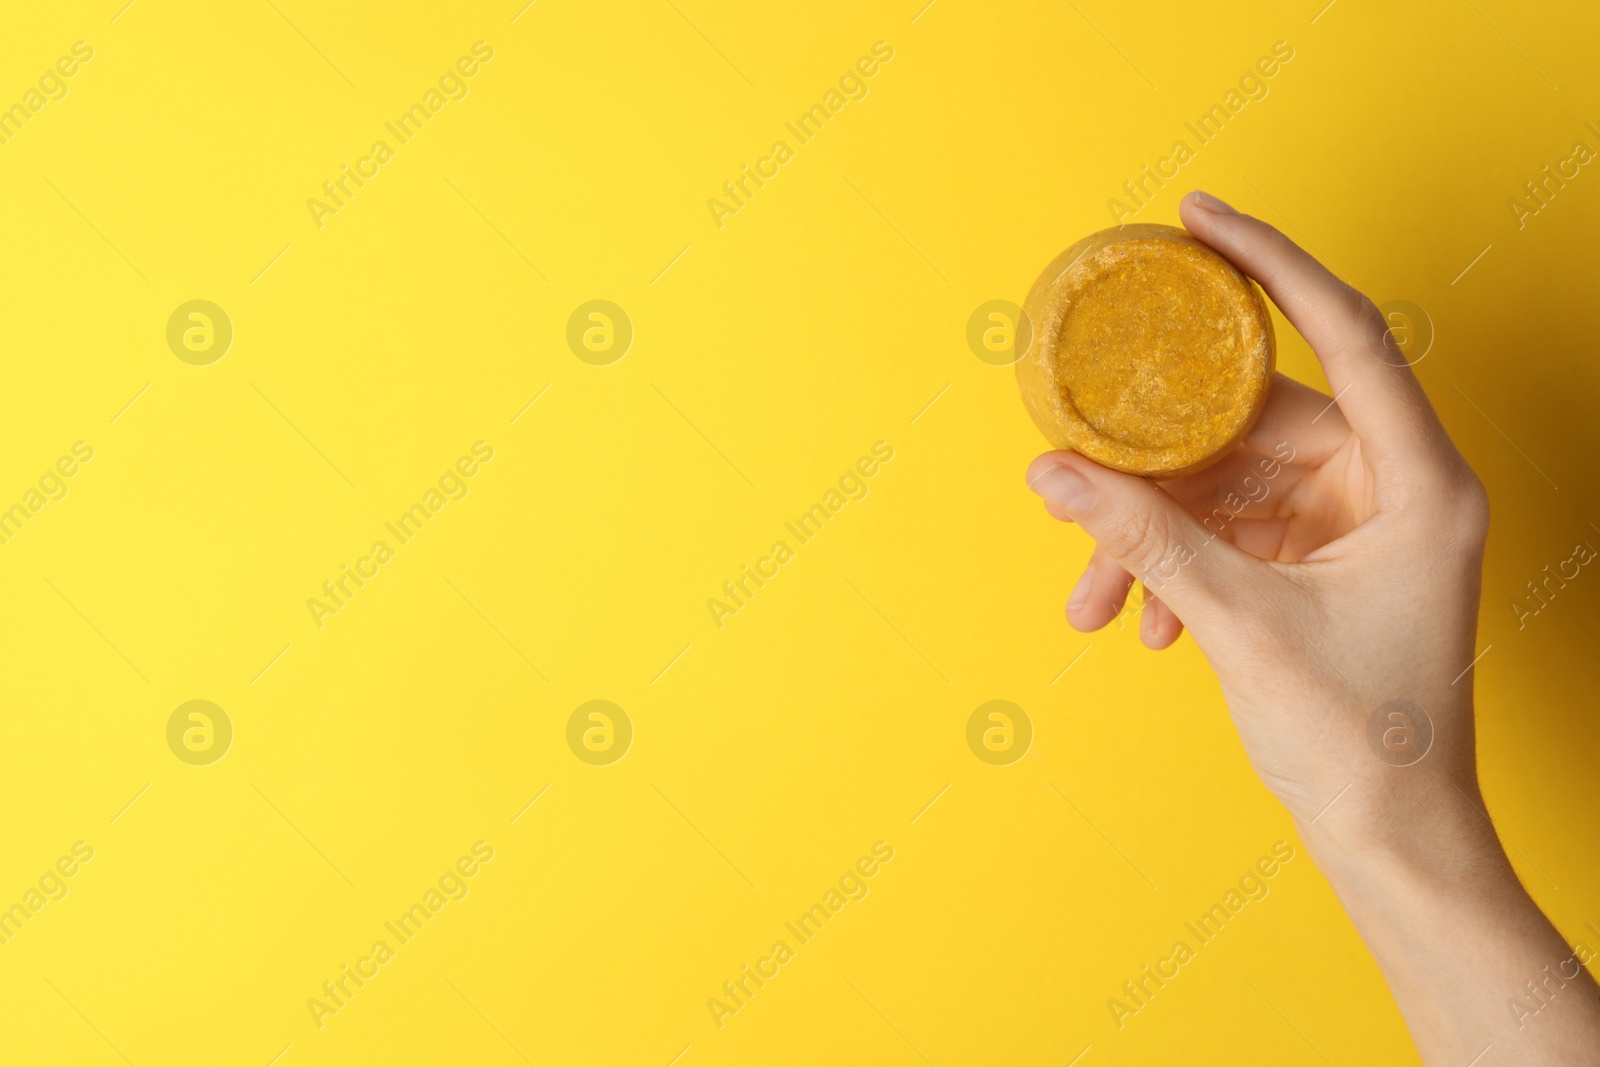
point(1145, 530)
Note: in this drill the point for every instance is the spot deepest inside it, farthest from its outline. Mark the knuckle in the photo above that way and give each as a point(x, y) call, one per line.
point(1275, 249)
point(1471, 503)
point(1352, 322)
point(1451, 500)
point(1135, 538)
point(1278, 241)
point(1364, 317)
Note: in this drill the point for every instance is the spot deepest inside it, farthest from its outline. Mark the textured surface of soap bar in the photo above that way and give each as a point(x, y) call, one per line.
point(1151, 353)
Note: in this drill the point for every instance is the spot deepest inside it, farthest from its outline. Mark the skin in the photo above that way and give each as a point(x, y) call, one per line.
point(1350, 582)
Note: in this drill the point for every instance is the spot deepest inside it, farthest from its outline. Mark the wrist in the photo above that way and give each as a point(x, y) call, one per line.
point(1410, 808)
point(1431, 842)
point(1455, 934)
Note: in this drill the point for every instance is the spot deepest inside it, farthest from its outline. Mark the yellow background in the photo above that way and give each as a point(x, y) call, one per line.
point(828, 713)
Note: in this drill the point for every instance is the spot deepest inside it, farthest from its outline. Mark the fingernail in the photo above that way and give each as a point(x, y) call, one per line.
point(1147, 624)
point(1212, 204)
point(1066, 487)
point(1080, 592)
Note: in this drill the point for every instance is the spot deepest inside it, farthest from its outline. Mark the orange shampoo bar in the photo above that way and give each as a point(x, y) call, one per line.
point(1151, 353)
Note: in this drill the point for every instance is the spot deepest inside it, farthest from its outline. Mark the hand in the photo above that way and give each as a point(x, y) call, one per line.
point(1329, 568)
point(1326, 567)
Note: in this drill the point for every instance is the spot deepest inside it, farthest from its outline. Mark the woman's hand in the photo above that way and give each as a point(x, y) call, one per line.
point(1329, 570)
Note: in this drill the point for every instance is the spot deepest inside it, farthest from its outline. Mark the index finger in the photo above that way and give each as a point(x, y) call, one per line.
point(1380, 399)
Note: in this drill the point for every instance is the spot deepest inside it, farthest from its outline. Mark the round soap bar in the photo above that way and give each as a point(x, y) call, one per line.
point(1151, 354)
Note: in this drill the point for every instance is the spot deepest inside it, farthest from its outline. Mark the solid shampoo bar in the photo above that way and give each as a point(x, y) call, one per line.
point(1151, 353)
